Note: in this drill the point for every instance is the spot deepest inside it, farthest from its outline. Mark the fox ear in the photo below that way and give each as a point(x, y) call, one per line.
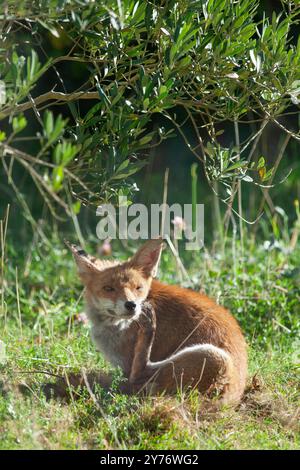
point(148, 256)
point(86, 264)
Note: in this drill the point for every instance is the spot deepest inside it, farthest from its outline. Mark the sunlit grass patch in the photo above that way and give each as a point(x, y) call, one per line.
point(53, 341)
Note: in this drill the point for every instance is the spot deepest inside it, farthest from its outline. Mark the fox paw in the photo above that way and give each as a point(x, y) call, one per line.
point(147, 318)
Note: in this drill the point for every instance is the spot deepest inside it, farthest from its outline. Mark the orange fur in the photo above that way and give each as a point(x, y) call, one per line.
point(177, 338)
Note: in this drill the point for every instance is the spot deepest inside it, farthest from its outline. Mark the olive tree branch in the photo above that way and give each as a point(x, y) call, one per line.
point(50, 95)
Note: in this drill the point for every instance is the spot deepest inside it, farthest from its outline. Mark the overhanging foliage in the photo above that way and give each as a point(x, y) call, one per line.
point(215, 60)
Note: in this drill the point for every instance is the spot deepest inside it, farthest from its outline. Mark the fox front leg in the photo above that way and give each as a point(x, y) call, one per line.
point(144, 342)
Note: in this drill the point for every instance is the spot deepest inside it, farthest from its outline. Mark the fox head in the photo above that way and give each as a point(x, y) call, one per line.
point(116, 290)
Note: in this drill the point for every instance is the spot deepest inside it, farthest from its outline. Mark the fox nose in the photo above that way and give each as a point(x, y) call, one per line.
point(130, 306)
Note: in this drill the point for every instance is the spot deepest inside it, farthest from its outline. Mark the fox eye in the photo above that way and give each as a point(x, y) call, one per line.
point(139, 287)
point(108, 289)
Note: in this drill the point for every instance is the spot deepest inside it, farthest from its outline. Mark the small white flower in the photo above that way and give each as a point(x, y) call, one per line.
point(179, 223)
point(106, 248)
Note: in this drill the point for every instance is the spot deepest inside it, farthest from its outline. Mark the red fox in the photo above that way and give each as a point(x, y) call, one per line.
point(164, 337)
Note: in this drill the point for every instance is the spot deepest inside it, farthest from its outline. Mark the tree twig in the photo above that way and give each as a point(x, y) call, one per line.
point(49, 96)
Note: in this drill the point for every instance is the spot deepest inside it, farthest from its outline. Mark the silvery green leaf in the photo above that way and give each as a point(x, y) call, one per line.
point(2, 92)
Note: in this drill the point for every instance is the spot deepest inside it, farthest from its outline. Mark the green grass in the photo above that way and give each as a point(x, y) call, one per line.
point(43, 336)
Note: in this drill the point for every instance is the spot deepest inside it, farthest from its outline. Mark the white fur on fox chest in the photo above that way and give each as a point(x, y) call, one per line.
point(111, 335)
point(110, 339)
